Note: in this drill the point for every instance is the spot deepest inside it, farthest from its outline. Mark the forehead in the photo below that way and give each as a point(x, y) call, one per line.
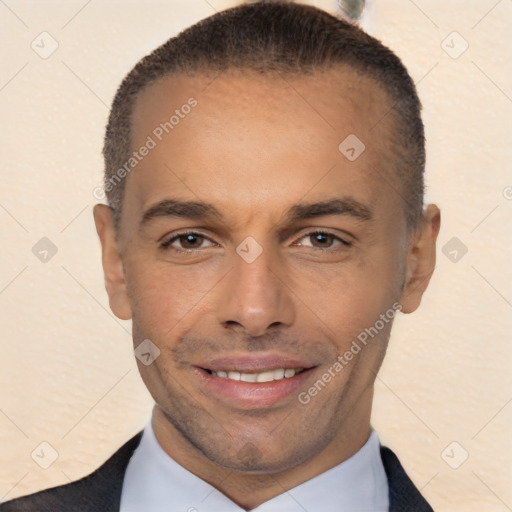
point(337, 98)
point(249, 135)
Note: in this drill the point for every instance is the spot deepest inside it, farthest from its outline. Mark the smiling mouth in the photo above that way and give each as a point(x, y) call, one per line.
point(249, 383)
point(265, 376)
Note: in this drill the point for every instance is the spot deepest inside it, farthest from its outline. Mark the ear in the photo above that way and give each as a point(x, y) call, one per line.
point(420, 259)
point(112, 262)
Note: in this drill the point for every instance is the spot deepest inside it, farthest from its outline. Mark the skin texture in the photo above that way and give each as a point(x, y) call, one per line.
point(253, 147)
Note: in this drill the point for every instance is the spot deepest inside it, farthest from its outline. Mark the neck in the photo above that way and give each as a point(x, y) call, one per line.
point(249, 490)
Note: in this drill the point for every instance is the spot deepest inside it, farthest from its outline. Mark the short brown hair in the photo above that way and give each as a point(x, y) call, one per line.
point(276, 37)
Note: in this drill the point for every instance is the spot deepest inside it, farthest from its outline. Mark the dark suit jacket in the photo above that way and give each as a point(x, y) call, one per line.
point(101, 490)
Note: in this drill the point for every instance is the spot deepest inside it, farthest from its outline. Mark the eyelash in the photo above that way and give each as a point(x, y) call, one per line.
point(166, 245)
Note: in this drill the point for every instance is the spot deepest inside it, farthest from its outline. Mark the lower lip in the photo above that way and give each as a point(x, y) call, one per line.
point(252, 395)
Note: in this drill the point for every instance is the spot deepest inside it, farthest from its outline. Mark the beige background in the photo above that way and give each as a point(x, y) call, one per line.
point(67, 372)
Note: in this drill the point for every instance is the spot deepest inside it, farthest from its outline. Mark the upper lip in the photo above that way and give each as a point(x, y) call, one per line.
point(254, 363)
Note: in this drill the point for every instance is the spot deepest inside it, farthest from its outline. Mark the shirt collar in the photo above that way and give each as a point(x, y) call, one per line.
point(154, 481)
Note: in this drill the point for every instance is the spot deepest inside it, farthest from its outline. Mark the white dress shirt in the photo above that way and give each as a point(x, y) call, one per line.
point(155, 482)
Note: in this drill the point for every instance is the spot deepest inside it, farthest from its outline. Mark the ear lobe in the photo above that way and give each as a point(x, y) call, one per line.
point(112, 262)
point(421, 259)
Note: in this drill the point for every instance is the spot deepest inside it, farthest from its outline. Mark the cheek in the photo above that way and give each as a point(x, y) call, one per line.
point(349, 299)
point(161, 297)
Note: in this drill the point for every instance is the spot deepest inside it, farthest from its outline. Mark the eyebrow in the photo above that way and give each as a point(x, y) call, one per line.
point(345, 206)
point(177, 208)
point(199, 210)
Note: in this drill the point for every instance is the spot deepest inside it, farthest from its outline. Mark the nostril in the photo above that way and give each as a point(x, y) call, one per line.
point(229, 324)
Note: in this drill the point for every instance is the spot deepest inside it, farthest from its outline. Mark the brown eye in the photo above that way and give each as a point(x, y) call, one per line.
point(190, 241)
point(323, 240)
point(186, 242)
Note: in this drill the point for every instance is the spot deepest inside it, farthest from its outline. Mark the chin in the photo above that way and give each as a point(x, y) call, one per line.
point(254, 459)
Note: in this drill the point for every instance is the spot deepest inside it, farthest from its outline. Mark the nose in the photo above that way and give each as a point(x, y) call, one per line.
point(254, 297)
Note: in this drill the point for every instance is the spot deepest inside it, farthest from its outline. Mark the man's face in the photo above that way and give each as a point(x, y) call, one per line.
point(264, 281)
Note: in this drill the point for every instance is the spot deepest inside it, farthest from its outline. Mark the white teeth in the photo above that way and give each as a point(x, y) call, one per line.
point(268, 376)
point(265, 376)
point(279, 374)
point(248, 377)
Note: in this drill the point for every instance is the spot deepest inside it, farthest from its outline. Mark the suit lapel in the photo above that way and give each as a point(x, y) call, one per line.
point(403, 495)
point(105, 490)
point(99, 491)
